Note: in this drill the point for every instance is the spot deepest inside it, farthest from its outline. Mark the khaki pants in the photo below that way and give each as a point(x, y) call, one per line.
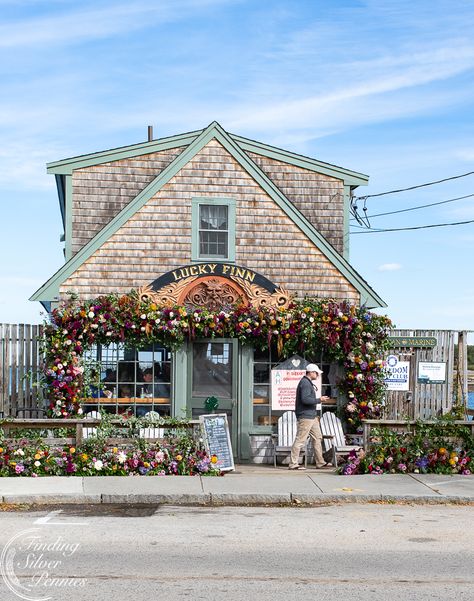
point(305, 428)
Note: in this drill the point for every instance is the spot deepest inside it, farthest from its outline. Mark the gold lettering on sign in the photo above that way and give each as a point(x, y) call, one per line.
point(193, 270)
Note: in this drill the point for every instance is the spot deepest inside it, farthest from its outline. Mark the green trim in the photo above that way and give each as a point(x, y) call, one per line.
point(213, 131)
point(350, 177)
point(179, 383)
point(346, 209)
point(196, 202)
point(68, 218)
point(245, 400)
point(66, 166)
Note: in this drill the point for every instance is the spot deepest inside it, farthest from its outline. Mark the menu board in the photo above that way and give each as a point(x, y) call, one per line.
point(217, 439)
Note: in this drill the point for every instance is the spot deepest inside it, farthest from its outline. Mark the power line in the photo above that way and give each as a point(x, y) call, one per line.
point(433, 204)
point(440, 181)
point(419, 227)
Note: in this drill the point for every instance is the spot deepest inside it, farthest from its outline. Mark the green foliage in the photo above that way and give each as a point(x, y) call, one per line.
point(441, 446)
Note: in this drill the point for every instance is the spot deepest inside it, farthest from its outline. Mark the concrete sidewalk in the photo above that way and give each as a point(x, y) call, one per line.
point(248, 485)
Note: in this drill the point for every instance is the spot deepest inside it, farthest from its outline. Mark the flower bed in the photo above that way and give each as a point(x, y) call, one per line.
point(439, 447)
point(179, 454)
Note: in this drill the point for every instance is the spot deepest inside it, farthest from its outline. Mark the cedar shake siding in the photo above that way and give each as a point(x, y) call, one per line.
point(157, 238)
point(320, 198)
point(102, 191)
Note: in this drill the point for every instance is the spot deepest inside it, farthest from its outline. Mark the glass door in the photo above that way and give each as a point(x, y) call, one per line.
point(213, 373)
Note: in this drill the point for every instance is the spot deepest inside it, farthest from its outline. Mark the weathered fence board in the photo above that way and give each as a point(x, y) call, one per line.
point(20, 365)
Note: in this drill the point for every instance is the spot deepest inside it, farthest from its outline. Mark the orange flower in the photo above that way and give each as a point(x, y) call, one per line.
point(214, 459)
point(442, 451)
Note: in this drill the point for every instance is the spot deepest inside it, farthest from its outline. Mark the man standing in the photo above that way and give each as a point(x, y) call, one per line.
point(308, 422)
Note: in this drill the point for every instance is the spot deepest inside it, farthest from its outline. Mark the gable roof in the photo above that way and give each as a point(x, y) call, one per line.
point(50, 289)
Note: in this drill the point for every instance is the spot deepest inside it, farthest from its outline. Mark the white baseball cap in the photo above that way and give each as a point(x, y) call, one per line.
point(313, 367)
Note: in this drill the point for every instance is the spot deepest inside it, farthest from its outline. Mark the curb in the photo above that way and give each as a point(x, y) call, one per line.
point(231, 499)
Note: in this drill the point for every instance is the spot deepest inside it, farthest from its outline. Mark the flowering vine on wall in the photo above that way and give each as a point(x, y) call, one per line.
point(348, 334)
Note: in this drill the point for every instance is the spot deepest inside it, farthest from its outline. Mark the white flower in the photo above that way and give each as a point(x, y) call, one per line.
point(379, 362)
point(64, 332)
point(171, 314)
point(94, 326)
point(369, 345)
point(91, 314)
point(108, 333)
point(37, 463)
point(351, 395)
point(60, 365)
point(340, 314)
point(359, 376)
point(311, 319)
point(98, 465)
point(80, 411)
point(143, 316)
point(158, 320)
point(19, 452)
point(68, 342)
point(142, 329)
point(122, 457)
point(133, 326)
point(58, 402)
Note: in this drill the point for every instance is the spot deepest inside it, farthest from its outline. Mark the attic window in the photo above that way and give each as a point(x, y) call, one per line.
point(213, 229)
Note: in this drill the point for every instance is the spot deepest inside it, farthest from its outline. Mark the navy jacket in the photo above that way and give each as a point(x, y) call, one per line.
point(306, 400)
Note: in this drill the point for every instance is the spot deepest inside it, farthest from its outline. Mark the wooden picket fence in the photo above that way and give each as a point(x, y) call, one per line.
point(20, 366)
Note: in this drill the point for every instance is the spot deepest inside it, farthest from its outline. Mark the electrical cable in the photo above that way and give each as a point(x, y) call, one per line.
point(404, 229)
point(433, 204)
point(440, 181)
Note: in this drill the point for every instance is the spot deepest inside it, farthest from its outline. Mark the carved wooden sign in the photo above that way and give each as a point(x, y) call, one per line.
point(214, 286)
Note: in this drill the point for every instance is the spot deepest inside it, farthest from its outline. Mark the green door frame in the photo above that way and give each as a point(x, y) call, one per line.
point(224, 404)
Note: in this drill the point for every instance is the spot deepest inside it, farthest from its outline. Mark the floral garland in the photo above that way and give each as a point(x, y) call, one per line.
point(350, 335)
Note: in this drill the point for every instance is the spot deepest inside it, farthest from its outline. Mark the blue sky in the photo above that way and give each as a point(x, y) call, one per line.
point(381, 87)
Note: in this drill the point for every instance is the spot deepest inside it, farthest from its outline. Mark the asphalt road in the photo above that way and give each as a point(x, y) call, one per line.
point(343, 552)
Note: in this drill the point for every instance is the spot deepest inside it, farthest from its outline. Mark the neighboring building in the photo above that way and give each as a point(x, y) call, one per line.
point(204, 218)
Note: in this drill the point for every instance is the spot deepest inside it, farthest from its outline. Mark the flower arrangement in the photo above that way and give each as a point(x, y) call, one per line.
point(351, 335)
point(440, 447)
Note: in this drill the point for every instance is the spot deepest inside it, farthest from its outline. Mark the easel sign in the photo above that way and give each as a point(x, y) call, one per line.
point(215, 429)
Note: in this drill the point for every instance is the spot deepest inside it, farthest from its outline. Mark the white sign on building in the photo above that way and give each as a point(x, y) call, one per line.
point(284, 384)
point(398, 374)
point(430, 372)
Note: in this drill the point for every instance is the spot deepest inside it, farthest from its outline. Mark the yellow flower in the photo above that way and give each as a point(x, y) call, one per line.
point(146, 464)
point(453, 460)
point(306, 309)
point(442, 451)
point(84, 456)
point(214, 459)
point(72, 450)
point(273, 322)
point(37, 456)
point(13, 463)
point(114, 468)
point(115, 450)
point(1, 449)
point(153, 307)
point(179, 457)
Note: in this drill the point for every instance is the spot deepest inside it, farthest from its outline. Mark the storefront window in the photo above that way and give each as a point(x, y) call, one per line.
point(264, 361)
point(212, 369)
point(136, 379)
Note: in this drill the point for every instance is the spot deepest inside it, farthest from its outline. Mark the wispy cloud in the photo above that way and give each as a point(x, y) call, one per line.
point(389, 267)
point(96, 23)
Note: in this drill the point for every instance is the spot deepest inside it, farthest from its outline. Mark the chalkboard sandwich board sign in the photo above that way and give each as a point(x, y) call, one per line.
point(215, 429)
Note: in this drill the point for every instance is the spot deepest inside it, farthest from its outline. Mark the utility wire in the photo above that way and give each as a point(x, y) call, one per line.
point(433, 204)
point(440, 181)
point(419, 227)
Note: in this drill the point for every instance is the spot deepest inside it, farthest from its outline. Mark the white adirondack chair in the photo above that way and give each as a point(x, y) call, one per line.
point(333, 436)
point(152, 432)
point(283, 442)
point(86, 432)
